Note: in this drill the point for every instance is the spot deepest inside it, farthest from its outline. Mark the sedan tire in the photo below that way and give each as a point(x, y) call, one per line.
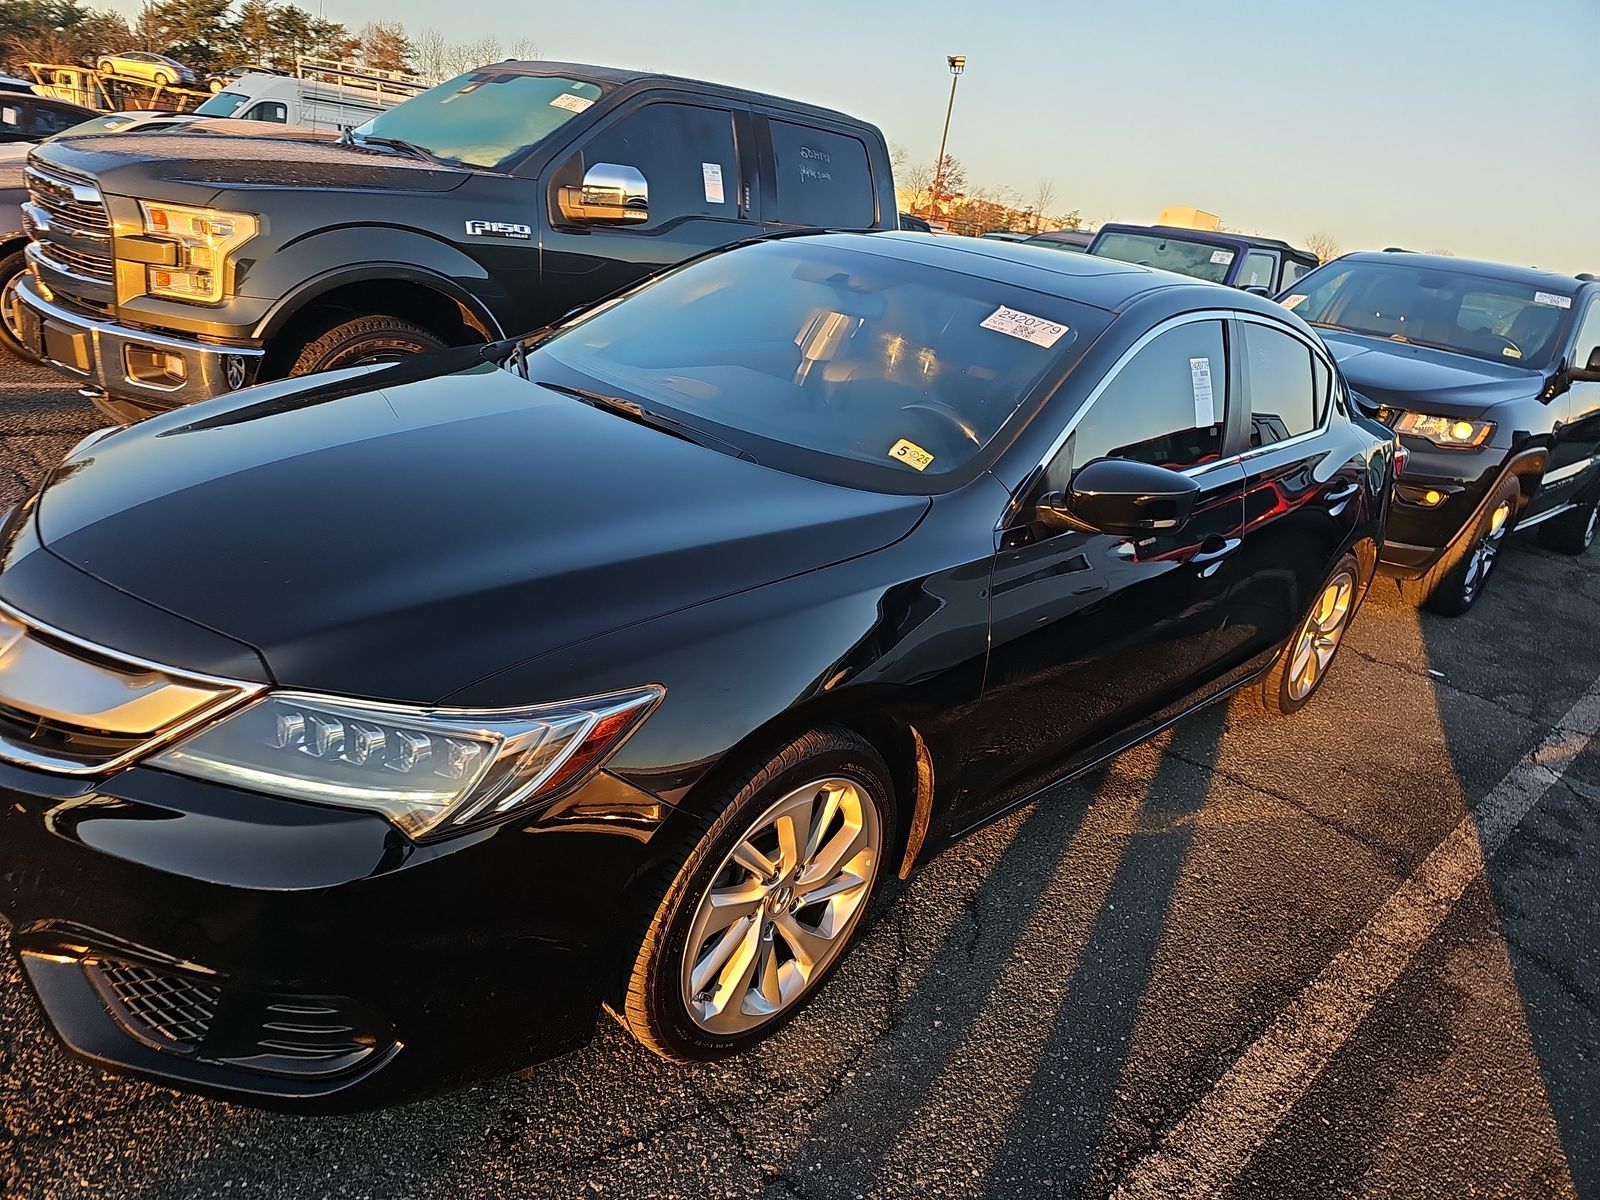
point(756, 913)
point(1307, 658)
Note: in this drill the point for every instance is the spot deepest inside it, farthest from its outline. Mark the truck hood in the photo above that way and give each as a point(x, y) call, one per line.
point(1405, 376)
point(402, 533)
point(204, 163)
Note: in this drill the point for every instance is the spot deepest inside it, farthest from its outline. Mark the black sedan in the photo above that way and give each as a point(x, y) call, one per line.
point(365, 734)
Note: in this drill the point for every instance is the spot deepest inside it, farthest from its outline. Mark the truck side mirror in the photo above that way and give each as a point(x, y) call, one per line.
point(611, 194)
point(1589, 373)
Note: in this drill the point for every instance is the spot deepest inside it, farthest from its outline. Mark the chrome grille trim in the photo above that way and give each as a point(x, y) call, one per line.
point(74, 208)
point(126, 748)
point(90, 268)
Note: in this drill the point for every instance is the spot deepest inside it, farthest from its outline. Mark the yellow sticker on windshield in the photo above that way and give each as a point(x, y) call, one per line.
point(1510, 352)
point(911, 454)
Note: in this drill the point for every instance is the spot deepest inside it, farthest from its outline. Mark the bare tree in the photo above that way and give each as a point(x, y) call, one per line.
point(897, 156)
point(469, 56)
point(525, 49)
point(1044, 195)
point(430, 50)
point(951, 176)
point(1071, 220)
point(1323, 246)
point(916, 179)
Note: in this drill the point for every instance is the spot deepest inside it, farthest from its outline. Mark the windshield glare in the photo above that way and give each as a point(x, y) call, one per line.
point(486, 118)
point(908, 369)
point(223, 104)
point(1200, 260)
point(1488, 318)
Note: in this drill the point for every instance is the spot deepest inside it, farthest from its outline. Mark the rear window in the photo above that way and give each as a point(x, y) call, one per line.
point(823, 179)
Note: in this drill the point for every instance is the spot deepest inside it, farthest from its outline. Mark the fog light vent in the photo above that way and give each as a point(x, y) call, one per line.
point(156, 368)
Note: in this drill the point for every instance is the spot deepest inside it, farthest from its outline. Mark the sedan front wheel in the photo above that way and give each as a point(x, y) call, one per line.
point(764, 904)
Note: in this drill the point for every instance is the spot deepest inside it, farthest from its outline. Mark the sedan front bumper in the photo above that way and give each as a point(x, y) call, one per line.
point(114, 359)
point(307, 958)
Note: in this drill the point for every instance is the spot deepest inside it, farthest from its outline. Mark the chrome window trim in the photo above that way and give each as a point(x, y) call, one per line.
point(1568, 471)
point(239, 691)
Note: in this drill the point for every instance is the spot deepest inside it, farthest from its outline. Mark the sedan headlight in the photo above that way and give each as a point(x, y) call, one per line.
point(1453, 433)
point(430, 771)
point(205, 237)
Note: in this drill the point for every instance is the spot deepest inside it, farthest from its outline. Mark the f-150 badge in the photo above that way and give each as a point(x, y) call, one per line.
point(499, 229)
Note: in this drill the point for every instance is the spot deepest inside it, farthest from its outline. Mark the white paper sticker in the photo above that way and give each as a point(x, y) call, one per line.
point(712, 173)
point(1552, 298)
point(1205, 409)
point(1292, 301)
point(1024, 325)
point(571, 103)
point(1222, 256)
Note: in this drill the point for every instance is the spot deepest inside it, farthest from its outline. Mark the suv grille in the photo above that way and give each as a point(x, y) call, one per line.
point(79, 237)
point(165, 1008)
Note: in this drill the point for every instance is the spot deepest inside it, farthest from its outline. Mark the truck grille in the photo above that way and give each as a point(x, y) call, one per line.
point(78, 238)
point(166, 1008)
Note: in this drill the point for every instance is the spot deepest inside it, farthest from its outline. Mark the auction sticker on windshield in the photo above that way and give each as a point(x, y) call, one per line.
point(911, 454)
point(1024, 326)
point(1552, 298)
point(1291, 301)
point(1223, 257)
point(571, 103)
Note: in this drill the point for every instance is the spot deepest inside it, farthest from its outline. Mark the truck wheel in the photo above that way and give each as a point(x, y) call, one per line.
point(364, 341)
point(1458, 579)
point(1570, 533)
point(11, 268)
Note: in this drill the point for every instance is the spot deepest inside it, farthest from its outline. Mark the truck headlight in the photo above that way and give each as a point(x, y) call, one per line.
point(1453, 433)
point(205, 237)
point(429, 771)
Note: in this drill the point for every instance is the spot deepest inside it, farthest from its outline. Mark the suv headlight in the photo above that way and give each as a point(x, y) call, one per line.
point(205, 237)
point(430, 771)
point(1453, 433)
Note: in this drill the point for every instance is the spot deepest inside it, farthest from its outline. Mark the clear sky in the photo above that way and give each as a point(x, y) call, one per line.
point(1468, 125)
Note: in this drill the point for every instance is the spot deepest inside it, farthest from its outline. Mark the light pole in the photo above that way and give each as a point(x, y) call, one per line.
point(958, 64)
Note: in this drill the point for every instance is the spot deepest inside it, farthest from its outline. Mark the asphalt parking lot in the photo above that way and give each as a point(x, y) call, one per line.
point(1353, 953)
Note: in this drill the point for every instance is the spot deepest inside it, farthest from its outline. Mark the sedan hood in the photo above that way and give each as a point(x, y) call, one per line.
point(397, 536)
point(1409, 377)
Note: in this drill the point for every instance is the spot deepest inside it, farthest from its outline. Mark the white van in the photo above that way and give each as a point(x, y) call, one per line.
point(331, 101)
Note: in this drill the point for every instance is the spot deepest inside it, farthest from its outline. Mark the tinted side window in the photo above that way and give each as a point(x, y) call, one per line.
point(823, 178)
point(685, 154)
point(1588, 335)
point(1257, 269)
point(1167, 405)
point(1286, 400)
point(269, 110)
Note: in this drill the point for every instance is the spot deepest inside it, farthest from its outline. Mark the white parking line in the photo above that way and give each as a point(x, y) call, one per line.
point(1214, 1142)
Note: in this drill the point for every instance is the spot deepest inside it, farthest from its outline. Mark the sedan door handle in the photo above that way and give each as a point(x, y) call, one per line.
point(1218, 554)
point(1343, 494)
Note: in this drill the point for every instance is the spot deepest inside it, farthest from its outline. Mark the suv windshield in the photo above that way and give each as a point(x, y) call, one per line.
point(1497, 319)
point(881, 372)
point(486, 118)
point(1200, 260)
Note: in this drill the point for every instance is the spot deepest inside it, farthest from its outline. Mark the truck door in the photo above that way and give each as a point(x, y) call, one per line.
point(663, 179)
point(815, 176)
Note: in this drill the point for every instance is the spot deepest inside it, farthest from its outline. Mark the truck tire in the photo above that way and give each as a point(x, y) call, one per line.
point(375, 339)
point(11, 269)
point(1570, 533)
point(1457, 580)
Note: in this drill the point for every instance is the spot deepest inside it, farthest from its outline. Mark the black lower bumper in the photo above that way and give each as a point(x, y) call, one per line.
point(303, 958)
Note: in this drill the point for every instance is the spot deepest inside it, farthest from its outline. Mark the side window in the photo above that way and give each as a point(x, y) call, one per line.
point(823, 178)
point(1167, 405)
point(1588, 335)
point(1293, 272)
point(268, 110)
point(684, 152)
point(1257, 269)
point(1287, 395)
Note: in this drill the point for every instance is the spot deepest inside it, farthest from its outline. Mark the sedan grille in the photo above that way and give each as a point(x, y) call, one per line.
point(168, 1009)
point(77, 237)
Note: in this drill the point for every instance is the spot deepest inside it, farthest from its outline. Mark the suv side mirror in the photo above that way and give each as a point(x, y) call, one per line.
point(1121, 497)
point(1255, 289)
point(611, 194)
point(1589, 373)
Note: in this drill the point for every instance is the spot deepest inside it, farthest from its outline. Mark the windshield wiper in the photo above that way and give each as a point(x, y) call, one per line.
point(400, 144)
point(640, 415)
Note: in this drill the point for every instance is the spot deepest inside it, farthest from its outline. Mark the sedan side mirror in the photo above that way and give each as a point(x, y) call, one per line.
point(1121, 497)
point(611, 194)
point(1589, 373)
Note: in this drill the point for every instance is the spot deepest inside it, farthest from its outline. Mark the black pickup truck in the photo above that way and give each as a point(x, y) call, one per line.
point(167, 269)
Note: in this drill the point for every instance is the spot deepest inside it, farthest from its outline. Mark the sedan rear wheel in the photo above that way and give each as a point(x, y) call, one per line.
point(764, 904)
point(1306, 659)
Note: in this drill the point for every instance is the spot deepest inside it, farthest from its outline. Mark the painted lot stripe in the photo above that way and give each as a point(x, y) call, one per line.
point(1216, 1139)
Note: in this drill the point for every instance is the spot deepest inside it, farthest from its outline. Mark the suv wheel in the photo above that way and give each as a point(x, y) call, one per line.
point(762, 906)
point(364, 341)
point(1306, 660)
point(1570, 533)
point(12, 267)
point(1458, 579)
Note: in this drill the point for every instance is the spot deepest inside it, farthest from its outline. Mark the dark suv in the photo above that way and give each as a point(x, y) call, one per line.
point(1490, 375)
point(167, 269)
point(1262, 265)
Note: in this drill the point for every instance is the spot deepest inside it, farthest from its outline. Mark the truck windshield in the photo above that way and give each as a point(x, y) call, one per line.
point(1200, 260)
point(223, 104)
point(844, 365)
point(1502, 320)
point(487, 118)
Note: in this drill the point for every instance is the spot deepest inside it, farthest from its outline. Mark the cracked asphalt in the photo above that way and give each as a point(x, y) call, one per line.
point(1036, 1011)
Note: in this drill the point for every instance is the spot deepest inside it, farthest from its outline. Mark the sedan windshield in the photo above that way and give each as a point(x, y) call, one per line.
point(879, 371)
point(1199, 260)
point(487, 118)
point(1497, 319)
